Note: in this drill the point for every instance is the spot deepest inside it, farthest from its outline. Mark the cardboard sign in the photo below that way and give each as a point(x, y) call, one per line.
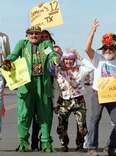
point(106, 90)
point(46, 15)
point(17, 76)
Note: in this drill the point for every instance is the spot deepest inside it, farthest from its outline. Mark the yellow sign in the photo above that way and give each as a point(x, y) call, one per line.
point(17, 76)
point(46, 15)
point(107, 90)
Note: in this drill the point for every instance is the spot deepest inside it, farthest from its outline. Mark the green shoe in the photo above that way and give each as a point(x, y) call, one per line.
point(23, 148)
point(46, 147)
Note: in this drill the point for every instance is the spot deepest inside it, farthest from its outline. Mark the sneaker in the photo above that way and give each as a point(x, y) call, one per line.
point(92, 152)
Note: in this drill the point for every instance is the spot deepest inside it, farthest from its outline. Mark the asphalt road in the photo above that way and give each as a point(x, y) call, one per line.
point(9, 140)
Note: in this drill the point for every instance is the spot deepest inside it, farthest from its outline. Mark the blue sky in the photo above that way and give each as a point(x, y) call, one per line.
point(77, 15)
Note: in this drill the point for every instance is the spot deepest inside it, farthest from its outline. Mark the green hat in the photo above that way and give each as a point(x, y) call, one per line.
point(33, 29)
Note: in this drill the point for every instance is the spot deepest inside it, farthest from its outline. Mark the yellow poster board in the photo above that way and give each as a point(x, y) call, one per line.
point(18, 76)
point(46, 15)
point(106, 90)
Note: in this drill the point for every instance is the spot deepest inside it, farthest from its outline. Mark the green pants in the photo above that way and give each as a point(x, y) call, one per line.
point(26, 106)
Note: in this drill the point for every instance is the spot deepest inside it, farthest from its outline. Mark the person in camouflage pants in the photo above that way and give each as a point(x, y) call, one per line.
point(70, 81)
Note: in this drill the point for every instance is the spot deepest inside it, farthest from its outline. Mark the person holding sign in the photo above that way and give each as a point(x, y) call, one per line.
point(34, 97)
point(105, 66)
point(4, 51)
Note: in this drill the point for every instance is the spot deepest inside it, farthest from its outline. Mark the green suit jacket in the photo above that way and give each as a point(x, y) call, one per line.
point(23, 49)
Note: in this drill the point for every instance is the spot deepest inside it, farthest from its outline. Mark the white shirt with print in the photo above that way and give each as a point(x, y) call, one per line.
point(98, 62)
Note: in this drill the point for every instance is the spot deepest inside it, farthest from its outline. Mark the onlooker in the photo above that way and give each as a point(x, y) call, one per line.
point(105, 66)
point(4, 51)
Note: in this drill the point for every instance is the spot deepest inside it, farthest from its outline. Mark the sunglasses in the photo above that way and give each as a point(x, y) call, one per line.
point(36, 33)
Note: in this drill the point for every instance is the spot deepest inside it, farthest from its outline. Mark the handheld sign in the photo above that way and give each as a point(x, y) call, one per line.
point(17, 76)
point(106, 89)
point(46, 15)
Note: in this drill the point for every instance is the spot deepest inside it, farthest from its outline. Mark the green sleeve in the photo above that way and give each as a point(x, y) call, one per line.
point(17, 51)
point(53, 57)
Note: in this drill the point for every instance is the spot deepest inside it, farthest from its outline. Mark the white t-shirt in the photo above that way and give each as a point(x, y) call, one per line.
point(102, 68)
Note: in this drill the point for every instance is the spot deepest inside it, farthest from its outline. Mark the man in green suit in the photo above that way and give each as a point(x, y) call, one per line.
point(36, 96)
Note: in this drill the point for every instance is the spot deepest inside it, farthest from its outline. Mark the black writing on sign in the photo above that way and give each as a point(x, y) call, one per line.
point(49, 19)
point(54, 6)
point(37, 13)
point(52, 13)
point(112, 88)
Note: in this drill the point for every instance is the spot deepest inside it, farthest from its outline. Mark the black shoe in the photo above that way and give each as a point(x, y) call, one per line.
point(65, 149)
point(79, 147)
point(17, 149)
point(111, 152)
point(34, 148)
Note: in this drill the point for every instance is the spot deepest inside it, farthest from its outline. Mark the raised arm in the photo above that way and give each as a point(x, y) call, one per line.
point(88, 45)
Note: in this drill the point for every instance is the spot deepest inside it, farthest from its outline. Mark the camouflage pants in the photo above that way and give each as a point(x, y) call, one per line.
point(77, 107)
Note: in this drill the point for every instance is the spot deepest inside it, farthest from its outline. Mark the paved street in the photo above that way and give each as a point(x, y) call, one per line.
point(9, 140)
